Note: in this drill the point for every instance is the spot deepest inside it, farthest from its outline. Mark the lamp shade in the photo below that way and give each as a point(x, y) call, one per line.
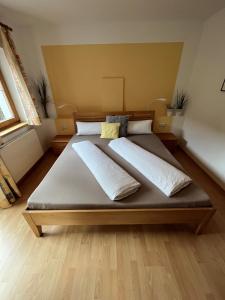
point(66, 109)
point(160, 99)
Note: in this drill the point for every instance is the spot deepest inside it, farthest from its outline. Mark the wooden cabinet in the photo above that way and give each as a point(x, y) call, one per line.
point(59, 143)
point(169, 140)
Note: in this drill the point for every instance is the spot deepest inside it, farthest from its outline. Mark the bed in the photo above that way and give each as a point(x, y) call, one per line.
point(61, 198)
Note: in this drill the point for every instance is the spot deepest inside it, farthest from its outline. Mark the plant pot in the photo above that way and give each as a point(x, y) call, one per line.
point(179, 112)
point(170, 112)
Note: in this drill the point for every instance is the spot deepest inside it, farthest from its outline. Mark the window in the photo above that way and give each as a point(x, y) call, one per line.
point(8, 113)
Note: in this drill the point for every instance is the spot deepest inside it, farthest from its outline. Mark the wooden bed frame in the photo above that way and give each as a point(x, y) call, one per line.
point(198, 216)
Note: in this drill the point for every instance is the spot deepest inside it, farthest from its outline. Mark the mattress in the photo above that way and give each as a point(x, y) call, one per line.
point(70, 185)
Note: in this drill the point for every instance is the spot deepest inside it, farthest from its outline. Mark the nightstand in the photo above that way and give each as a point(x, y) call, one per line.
point(59, 143)
point(169, 140)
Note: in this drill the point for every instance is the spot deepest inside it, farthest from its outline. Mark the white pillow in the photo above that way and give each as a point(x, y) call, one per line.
point(88, 128)
point(139, 127)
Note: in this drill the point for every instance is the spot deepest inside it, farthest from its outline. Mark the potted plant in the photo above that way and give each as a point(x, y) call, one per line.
point(180, 102)
point(41, 88)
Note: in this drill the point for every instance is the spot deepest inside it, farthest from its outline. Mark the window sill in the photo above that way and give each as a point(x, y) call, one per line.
point(13, 128)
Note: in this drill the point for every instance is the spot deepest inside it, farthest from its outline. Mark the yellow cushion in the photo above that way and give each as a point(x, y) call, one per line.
point(110, 130)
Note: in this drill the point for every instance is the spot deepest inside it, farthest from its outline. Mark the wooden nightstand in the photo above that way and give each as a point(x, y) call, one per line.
point(59, 143)
point(169, 140)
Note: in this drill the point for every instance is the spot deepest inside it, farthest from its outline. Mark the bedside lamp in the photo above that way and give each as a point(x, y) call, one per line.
point(159, 105)
point(160, 100)
point(65, 122)
point(67, 107)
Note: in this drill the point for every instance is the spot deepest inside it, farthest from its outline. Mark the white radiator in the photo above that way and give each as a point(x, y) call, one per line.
point(22, 153)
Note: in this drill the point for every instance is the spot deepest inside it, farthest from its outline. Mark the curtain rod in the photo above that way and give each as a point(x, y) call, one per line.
point(6, 26)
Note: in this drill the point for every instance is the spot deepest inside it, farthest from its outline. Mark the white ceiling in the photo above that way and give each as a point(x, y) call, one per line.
point(74, 11)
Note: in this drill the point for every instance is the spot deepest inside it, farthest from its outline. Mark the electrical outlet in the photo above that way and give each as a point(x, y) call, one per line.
point(64, 127)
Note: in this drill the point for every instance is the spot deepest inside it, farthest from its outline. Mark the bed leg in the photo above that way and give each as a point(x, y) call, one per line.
point(37, 230)
point(200, 227)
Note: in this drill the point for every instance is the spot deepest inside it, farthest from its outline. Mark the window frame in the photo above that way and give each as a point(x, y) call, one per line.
point(16, 119)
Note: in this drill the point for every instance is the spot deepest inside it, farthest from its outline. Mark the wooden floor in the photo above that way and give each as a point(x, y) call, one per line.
point(116, 262)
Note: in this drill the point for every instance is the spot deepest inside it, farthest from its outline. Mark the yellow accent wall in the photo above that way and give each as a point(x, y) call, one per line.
point(149, 71)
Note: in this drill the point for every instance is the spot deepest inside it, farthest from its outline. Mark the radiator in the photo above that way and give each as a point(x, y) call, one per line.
point(22, 153)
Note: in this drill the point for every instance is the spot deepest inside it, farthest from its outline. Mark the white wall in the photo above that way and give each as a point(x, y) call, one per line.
point(29, 40)
point(204, 124)
point(129, 32)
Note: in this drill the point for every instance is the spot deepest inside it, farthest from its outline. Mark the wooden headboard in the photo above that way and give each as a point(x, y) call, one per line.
point(100, 116)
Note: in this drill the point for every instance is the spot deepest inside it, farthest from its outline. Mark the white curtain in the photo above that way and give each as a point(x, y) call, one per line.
point(31, 114)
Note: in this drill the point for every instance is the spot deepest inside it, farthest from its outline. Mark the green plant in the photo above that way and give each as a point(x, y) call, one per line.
point(41, 87)
point(181, 99)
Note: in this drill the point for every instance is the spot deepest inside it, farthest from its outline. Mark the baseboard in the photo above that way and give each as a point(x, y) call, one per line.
point(202, 166)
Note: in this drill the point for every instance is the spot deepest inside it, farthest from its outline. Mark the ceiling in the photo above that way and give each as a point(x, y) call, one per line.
point(74, 11)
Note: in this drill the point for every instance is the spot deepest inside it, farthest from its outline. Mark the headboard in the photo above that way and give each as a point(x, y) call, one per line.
point(100, 116)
